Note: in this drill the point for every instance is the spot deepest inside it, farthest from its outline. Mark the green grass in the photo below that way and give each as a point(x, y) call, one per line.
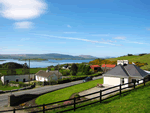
point(19, 71)
point(6, 87)
point(135, 101)
point(134, 58)
point(65, 93)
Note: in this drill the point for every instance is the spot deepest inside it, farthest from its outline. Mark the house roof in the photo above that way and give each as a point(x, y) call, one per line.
point(129, 70)
point(108, 65)
point(47, 74)
point(92, 66)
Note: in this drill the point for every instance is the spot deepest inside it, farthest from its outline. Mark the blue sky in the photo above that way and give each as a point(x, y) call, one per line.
point(80, 27)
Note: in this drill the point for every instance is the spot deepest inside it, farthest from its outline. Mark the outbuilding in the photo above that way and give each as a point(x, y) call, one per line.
point(48, 75)
point(125, 73)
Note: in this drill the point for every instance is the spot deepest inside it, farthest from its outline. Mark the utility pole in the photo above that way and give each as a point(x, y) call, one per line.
point(58, 72)
point(29, 71)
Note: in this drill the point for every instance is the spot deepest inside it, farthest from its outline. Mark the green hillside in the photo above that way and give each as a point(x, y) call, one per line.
point(135, 101)
point(136, 58)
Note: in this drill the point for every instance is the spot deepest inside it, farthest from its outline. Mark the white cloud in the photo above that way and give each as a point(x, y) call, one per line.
point(121, 38)
point(69, 32)
point(81, 39)
point(23, 25)
point(22, 9)
point(24, 39)
point(69, 26)
point(99, 35)
point(137, 42)
point(100, 46)
point(148, 29)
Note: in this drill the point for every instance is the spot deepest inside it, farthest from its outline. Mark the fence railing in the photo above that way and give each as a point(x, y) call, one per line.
point(74, 99)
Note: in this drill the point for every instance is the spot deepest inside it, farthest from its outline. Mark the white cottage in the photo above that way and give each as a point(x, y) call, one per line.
point(48, 75)
point(122, 74)
point(17, 78)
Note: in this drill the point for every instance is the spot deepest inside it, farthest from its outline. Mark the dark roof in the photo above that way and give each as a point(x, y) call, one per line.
point(47, 74)
point(129, 70)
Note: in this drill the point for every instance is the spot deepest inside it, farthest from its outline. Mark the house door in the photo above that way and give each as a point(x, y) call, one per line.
point(24, 80)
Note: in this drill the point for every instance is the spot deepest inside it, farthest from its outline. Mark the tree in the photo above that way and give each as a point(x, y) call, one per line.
point(11, 70)
point(74, 69)
point(87, 70)
point(25, 69)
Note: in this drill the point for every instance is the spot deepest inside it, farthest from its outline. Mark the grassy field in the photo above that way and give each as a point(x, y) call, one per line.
point(19, 71)
point(142, 59)
point(4, 87)
point(65, 93)
point(135, 101)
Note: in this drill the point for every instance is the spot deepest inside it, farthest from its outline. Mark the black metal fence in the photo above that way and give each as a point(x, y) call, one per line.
point(132, 84)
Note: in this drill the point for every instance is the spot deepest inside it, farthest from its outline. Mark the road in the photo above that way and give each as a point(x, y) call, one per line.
point(40, 90)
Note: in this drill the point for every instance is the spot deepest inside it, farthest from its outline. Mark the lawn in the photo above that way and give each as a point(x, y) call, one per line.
point(5, 87)
point(135, 101)
point(142, 59)
point(65, 93)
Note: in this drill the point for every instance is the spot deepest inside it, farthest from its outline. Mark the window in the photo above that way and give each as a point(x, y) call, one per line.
point(17, 80)
point(7, 81)
point(122, 80)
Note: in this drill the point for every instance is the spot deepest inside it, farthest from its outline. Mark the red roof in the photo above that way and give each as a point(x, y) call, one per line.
point(92, 66)
point(109, 65)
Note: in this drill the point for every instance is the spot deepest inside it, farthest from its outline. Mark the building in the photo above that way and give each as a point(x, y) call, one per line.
point(48, 75)
point(17, 78)
point(107, 67)
point(125, 73)
point(96, 68)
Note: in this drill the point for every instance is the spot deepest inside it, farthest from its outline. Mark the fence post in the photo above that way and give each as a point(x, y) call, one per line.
point(74, 103)
point(144, 81)
point(43, 108)
point(14, 110)
point(120, 89)
point(134, 85)
point(100, 97)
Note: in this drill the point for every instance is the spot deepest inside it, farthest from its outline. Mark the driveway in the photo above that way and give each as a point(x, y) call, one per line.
point(95, 89)
point(40, 90)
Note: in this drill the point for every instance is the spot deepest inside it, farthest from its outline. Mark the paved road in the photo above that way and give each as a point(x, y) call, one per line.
point(41, 90)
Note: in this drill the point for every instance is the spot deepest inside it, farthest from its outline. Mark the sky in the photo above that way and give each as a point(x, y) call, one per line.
point(75, 27)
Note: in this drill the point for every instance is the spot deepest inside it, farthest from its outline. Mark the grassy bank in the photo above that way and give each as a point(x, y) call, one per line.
point(136, 58)
point(65, 93)
point(135, 101)
point(7, 87)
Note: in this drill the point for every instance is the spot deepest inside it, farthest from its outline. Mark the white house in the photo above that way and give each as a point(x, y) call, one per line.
point(125, 73)
point(17, 78)
point(48, 75)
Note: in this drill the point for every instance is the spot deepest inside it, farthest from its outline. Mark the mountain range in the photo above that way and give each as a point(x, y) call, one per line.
point(45, 56)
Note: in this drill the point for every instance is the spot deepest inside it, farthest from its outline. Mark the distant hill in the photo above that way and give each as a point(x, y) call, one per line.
point(43, 56)
point(87, 56)
point(15, 65)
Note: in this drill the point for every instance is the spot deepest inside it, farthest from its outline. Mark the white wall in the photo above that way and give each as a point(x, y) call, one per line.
point(2, 79)
point(111, 81)
point(19, 77)
point(39, 78)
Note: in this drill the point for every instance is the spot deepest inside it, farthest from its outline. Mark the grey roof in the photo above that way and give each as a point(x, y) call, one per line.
point(129, 70)
point(135, 71)
point(47, 74)
point(117, 71)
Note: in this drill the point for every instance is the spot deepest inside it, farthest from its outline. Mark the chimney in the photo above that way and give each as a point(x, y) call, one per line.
point(122, 62)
